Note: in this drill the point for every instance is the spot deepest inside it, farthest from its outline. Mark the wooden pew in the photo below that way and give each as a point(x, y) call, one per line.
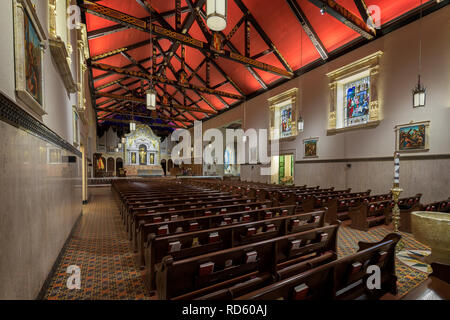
point(203, 205)
point(205, 221)
point(342, 279)
point(368, 215)
point(229, 236)
point(338, 209)
point(177, 278)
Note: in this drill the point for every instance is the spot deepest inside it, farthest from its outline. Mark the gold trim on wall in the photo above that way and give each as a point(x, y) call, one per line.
point(61, 50)
point(82, 56)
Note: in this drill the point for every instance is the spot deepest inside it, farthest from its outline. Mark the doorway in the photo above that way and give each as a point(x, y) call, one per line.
point(282, 168)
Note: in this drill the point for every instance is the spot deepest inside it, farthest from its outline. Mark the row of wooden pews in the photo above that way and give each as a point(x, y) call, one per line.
point(209, 239)
point(343, 279)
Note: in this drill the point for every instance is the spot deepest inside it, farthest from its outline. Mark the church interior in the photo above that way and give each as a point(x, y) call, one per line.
point(225, 150)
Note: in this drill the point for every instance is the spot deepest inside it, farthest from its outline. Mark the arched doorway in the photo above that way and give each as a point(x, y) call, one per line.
point(119, 165)
point(164, 167)
point(110, 166)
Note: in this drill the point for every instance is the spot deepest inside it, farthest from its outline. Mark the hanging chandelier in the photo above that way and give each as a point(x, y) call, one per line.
point(216, 14)
point(132, 123)
point(151, 98)
point(419, 94)
point(151, 92)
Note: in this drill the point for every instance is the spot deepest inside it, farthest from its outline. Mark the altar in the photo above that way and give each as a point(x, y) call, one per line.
point(142, 153)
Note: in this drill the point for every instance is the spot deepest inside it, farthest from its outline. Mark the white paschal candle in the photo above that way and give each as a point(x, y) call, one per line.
point(397, 169)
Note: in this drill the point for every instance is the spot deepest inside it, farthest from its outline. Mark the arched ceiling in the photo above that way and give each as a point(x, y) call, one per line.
point(264, 43)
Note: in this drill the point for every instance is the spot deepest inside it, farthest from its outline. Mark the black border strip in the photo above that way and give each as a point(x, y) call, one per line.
point(402, 158)
point(349, 160)
point(54, 268)
point(14, 115)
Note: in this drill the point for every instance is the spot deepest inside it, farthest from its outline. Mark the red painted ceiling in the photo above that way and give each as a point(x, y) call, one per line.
point(274, 16)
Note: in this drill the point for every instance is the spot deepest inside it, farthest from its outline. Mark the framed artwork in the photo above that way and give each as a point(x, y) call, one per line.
point(311, 147)
point(29, 47)
point(412, 137)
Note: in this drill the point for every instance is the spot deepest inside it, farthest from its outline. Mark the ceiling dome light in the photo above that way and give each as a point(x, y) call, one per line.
point(216, 14)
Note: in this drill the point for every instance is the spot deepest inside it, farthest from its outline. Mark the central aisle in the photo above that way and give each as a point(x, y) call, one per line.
point(99, 246)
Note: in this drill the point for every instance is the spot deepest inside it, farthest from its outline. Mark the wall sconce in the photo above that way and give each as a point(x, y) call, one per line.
point(300, 124)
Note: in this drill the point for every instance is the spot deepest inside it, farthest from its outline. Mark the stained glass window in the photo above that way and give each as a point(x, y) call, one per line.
point(227, 161)
point(286, 121)
point(356, 102)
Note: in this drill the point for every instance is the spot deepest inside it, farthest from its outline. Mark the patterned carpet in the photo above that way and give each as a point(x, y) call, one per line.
point(100, 248)
point(408, 277)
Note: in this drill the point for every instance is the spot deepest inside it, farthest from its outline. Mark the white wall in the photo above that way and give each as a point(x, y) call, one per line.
point(57, 103)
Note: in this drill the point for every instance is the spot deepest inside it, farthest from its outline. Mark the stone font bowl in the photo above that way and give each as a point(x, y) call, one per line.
point(433, 230)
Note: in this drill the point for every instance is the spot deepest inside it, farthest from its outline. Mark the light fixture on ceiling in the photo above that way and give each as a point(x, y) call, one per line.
point(419, 94)
point(300, 124)
point(132, 123)
point(151, 98)
point(323, 10)
point(151, 92)
point(216, 14)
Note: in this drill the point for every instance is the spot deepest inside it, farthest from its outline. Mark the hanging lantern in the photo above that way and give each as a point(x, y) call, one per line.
point(300, 124)
point(132, 126)
point(419, 95)
point(124, 140)
point(116, 150)
point(216, 14)
point(151, 99)
point(119, 145)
